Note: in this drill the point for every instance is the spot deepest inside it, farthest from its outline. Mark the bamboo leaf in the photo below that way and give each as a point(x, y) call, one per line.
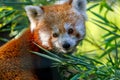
point(46, 56)
point(3, 39)
point(101, 6)
point(7, 14)
point(110, 39)
point(100, 17)
point(108, 34)
point(76, 77)
point(105, 23)
point(17, 16)
point(106, 29)
point(116, 54)
point(108, 51)
point(108, 7)
point(93, 6)
point(48, 51)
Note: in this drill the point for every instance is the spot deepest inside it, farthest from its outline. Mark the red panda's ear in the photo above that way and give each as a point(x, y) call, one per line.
point(34, 13)
point(79, 6)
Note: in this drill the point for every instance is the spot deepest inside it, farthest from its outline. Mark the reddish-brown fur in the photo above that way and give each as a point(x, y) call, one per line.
point(59, 15)
point(16, 60)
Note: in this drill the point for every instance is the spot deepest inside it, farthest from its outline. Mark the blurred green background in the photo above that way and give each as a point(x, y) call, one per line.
point(100, 48)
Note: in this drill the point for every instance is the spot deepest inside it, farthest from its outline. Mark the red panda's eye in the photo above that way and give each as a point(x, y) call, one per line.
point(78, 35)
point(55, 35)
point(70, 31)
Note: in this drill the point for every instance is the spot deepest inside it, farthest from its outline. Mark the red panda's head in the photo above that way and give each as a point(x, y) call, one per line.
point(59, 27)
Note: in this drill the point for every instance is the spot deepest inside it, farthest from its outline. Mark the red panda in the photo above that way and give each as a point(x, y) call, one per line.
point(57, 28)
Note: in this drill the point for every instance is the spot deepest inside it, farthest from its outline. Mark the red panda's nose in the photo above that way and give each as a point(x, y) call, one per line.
point(66, 46)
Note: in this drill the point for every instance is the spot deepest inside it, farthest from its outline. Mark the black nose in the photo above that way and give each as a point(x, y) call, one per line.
point(66, 46)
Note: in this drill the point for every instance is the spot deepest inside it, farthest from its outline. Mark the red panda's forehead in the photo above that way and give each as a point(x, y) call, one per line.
point(60, 15)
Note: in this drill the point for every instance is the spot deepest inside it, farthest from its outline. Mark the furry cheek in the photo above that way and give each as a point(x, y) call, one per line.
point(44, 37)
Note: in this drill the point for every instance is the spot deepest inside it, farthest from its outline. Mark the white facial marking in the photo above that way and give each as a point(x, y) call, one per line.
point(44, 37)
point(32, 26)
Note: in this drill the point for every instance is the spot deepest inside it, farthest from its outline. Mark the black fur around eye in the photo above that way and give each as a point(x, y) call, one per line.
point(70, 31)
point(55, 35)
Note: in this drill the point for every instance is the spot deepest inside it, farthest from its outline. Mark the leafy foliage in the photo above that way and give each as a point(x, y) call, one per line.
point(11, 21)
point(82, 67)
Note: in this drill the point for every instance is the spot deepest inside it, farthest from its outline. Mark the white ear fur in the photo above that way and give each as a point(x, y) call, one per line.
point(80, 6)
point(33, 13)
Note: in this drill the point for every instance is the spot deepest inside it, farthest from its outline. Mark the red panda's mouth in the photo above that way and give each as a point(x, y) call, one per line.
point(63, 51)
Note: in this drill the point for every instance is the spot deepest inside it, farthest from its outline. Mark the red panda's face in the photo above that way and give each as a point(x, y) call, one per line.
point(67, 34)
point(59, 27)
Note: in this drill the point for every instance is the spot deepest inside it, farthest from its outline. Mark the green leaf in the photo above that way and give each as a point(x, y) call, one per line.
point(10, 21)
point(75, 77)
point(109, 40)
point(116, 54)
point(3, 39)
point(108, 24)
point(93, 6)
point(108, 34)
point(101, 6)
point(106, 29)
point(108, 51)
point(46, 56)
point(48, 51)
point(108, 7)
point(100, 17)
point(110, 59)
point(7, 14)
